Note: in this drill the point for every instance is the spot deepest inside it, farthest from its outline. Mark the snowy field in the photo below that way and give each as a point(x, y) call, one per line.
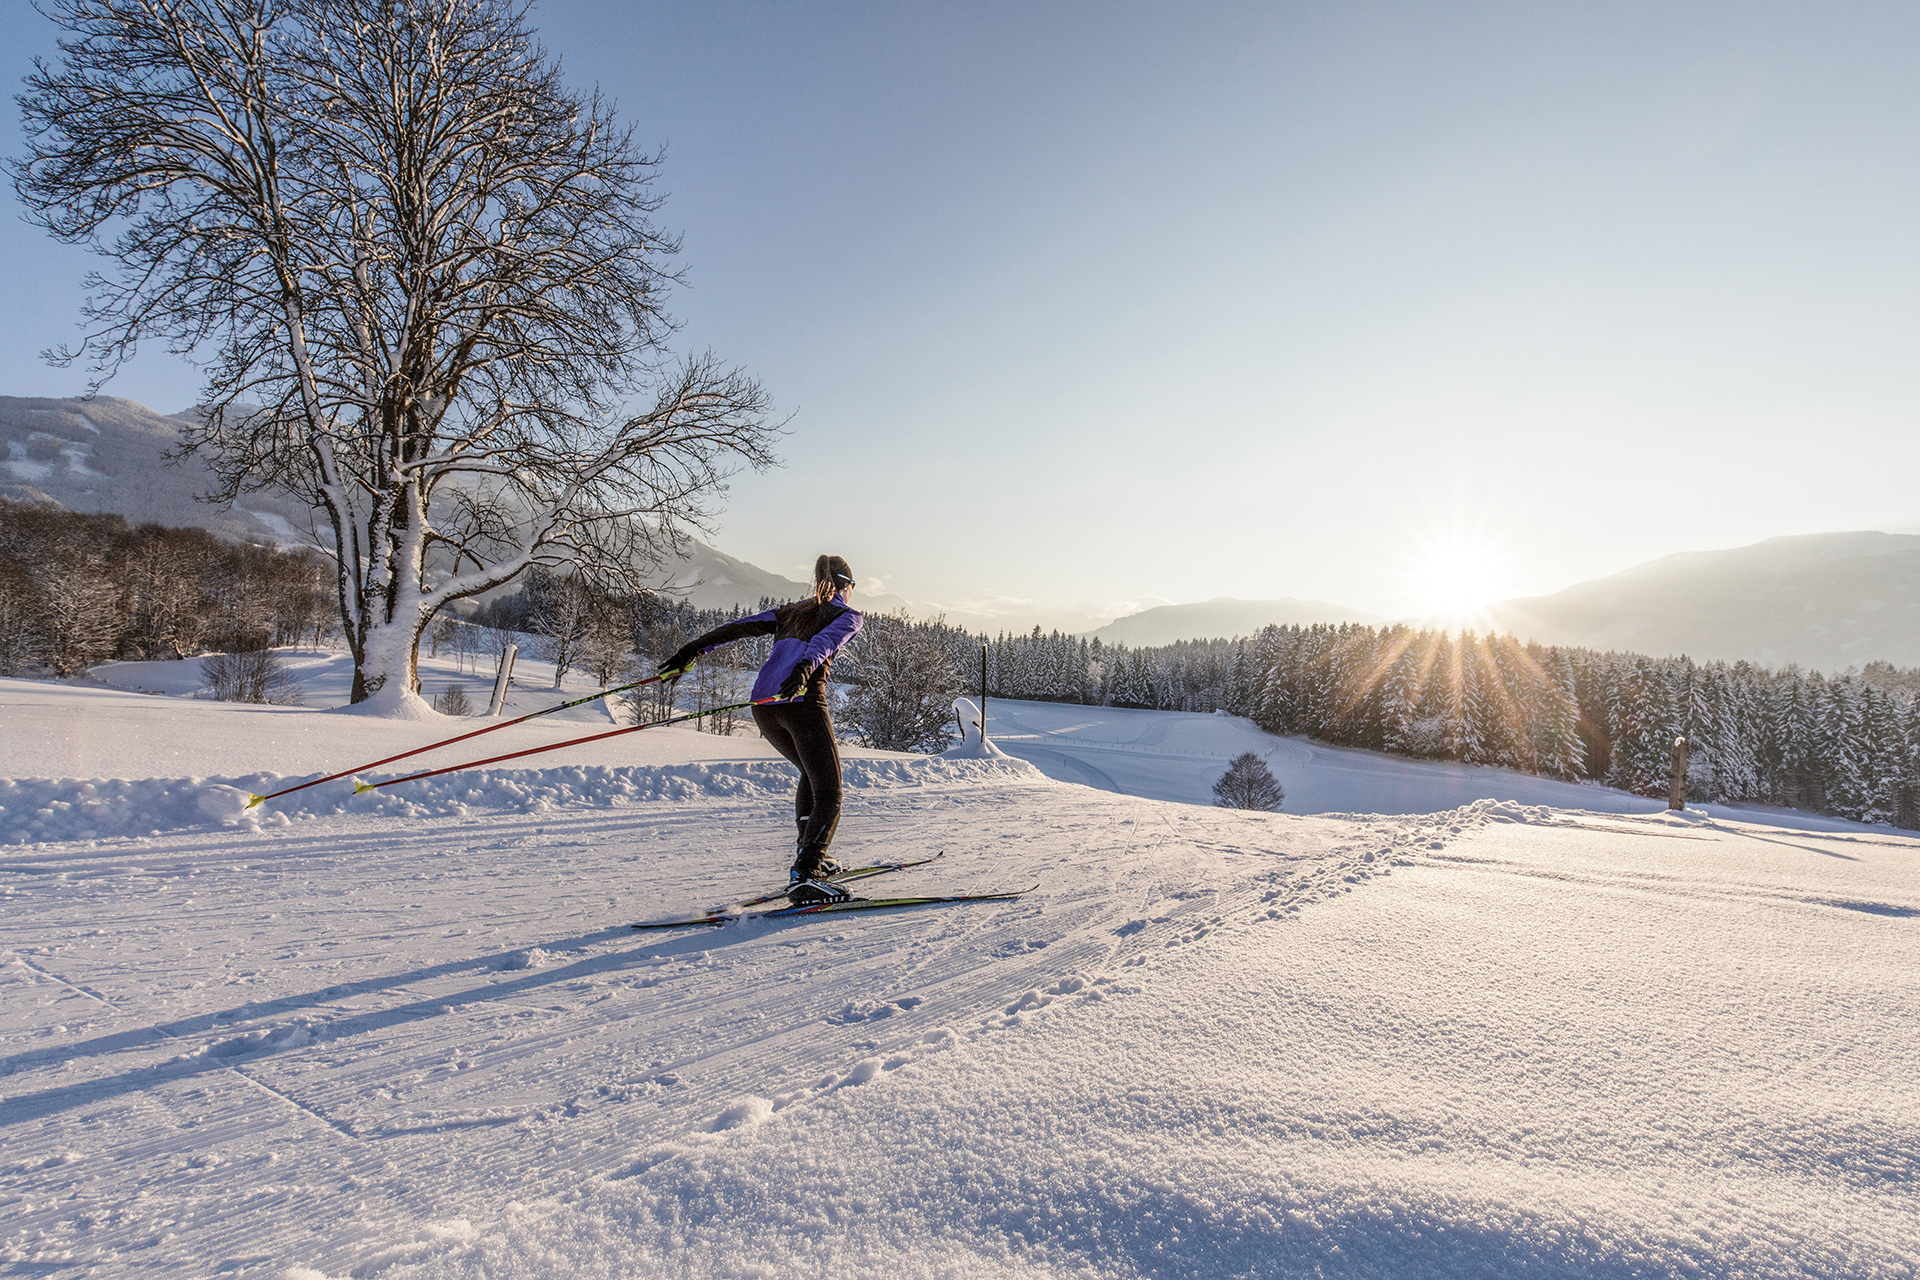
point(1178, 755)
point(410, 1036)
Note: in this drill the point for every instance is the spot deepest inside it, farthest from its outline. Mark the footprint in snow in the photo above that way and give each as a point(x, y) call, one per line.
point(857, 1011)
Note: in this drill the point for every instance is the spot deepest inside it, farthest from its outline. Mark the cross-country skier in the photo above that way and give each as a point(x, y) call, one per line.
point(808, 633)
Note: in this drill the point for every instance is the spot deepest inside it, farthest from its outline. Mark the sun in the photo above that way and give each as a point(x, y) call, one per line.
point(1453, 580)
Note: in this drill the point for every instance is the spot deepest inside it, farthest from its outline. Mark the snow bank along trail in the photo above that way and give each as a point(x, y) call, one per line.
point(1213, 1044)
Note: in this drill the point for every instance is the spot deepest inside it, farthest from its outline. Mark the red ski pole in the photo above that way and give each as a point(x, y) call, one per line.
point(253, 800)
point(555, 746)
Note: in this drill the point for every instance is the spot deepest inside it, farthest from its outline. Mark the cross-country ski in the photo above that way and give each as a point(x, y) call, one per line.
point(836, 907)
point(731, 910)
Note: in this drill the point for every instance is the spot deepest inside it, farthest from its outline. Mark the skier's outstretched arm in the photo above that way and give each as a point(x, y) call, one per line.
point(760, 624)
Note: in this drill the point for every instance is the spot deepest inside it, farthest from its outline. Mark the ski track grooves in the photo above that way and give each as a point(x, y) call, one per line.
point(500, 948)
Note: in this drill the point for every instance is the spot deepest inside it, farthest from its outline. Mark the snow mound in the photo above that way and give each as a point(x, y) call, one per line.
point(222, 803)
point(40, 810)
point(744, 1114)
point(403, 705)
point(971, 745)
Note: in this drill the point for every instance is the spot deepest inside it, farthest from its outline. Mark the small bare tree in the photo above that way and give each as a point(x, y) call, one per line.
point(452, 701)
point(252, 675)
point(1248, 784)
point(560, 610)
point(604, 648)
point(421, 275)
point(720, 680)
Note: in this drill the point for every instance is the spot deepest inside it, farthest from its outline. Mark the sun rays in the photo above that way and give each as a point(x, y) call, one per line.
point(1455, 569)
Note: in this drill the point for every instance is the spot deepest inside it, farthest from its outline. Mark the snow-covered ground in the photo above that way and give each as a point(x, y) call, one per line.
point(412, 1037)
point(1178, 755)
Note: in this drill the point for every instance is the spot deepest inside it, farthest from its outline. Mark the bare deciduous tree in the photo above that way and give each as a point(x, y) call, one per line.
point(21, 609)
point(251, 675)
point(1248, 784)
point(604, 649)
point(560, 610)
point(720, 681)
point(421, 276)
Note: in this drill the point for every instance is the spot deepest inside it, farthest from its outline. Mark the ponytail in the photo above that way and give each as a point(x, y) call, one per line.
point(830, 574)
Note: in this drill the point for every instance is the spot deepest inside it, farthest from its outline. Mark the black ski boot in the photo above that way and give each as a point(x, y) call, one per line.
point(810, 880)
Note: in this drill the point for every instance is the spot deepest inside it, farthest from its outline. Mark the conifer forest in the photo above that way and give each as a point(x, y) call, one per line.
point(1847, 744)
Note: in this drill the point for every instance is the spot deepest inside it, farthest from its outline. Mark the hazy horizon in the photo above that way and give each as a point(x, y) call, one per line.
point(1380, 306)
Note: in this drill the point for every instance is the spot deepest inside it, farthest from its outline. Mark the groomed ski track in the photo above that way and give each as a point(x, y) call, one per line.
point(339, 1028)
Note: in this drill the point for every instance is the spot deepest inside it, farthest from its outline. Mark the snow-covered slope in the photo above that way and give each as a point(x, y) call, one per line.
point(110, 455)
point(1177, 755)
point(422, 1042)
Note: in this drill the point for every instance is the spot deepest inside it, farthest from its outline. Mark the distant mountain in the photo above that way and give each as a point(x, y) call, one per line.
point(712, 579)
point(1223, 616)
point(1824, 600)
point(108, 455)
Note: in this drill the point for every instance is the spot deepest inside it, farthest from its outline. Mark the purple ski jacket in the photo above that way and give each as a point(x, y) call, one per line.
point(805, 633)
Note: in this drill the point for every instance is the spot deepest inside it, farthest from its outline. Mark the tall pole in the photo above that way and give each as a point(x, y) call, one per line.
point(983, 696)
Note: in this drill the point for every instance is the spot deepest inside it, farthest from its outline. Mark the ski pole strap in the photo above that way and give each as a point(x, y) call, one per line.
point(555, 746)
point(253, 800)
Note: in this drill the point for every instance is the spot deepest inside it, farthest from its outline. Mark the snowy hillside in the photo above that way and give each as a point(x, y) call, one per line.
point(1178, 755)
point(109, 455)
point(409, 1035)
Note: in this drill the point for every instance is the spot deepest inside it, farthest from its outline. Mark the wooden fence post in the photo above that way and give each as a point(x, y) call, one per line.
point(1677, 780)
point(503, 680)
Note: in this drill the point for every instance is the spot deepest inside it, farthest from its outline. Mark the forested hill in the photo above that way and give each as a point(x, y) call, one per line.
point(109, 456)
point(1826, 600)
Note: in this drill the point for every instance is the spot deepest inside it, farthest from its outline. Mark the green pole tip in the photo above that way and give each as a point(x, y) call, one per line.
point(253, 799)
point(358, 787)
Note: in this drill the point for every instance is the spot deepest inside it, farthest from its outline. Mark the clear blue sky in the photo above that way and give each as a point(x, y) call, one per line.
point(1076, 304)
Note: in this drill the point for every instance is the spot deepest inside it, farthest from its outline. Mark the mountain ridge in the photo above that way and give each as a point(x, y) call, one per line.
point(1823, 600)
point(1223, 616)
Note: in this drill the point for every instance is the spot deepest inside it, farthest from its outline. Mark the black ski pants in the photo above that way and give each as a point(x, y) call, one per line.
point(803, 733)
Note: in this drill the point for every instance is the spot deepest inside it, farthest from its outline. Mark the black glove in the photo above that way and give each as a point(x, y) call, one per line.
point(679, 664)
point(796, 681)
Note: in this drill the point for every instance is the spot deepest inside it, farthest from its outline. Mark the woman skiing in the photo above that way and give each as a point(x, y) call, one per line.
point(808, 633)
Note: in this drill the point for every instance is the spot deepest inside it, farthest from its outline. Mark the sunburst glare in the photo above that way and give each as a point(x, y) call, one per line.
point(1453, 580)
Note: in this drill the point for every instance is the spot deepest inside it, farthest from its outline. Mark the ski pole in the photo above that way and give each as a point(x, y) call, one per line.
point(359, 787)
point(253, 800)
